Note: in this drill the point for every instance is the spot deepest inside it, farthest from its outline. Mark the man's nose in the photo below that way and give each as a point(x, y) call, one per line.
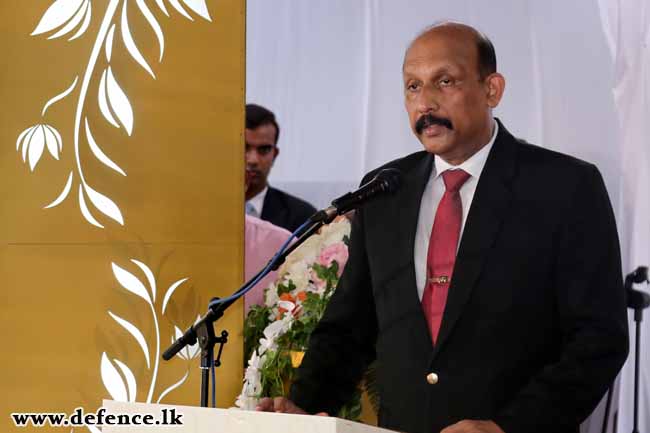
point(427, 100)
point(251, 157)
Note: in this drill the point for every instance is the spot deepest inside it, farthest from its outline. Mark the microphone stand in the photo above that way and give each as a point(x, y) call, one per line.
point(203, 330)
point(638, 301)
point(386, 181)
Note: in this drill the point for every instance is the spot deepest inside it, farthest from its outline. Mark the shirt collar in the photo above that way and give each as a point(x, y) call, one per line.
point(474, 165)
point(258, 201)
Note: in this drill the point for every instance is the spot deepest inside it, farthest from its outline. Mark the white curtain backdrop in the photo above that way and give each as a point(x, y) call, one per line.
point(577, 81)
point(627, 27)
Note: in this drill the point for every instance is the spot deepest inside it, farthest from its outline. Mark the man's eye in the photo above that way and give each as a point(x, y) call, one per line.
point(264, 150)
point(412, 87)
point(445, 82)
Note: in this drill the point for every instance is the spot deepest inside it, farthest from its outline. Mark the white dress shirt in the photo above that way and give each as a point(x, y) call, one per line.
point(431, 197)
point(257, 203)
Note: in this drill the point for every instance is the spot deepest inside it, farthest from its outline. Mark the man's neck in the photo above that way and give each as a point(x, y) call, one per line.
point(466, 153)
point(252, 192)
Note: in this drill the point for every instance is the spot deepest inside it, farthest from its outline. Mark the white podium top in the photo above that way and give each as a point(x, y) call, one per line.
point(208, 420)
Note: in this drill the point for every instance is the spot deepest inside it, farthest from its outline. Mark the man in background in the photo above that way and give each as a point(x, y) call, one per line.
point(263, 201)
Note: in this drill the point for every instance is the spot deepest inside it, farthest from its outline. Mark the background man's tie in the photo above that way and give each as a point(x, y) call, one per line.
point(442, 250)
point(250, 210)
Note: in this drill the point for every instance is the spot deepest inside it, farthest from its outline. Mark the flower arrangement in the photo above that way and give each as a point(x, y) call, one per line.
point(276, 333)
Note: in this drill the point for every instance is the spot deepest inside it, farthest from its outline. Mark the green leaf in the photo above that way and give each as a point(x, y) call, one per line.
point(286, 288)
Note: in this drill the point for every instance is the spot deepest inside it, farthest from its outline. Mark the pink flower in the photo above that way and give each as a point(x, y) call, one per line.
point(336, 252)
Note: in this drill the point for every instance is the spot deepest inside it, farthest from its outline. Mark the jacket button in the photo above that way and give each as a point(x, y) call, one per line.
point(432, 378)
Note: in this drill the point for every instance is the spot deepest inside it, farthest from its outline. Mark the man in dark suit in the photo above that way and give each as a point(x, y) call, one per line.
point(270, 204)
point(489, 287)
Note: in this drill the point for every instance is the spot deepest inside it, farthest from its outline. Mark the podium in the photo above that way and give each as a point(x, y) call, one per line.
point(209, 420)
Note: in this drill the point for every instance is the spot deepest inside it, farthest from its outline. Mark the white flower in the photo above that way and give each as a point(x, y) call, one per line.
point(34, 140)
point(271, 296)
point(307, 252)
point(288, 306)
point(335, 232)
point(298, 272)
point(273, 331)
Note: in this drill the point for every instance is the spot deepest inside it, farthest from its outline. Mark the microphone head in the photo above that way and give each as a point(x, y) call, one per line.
point(640, 274)
point(390, 178)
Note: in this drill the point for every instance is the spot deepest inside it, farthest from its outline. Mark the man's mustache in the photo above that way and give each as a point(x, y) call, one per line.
point(428, 120)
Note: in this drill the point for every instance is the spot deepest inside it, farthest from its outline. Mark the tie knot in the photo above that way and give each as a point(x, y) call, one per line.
point(454, 179)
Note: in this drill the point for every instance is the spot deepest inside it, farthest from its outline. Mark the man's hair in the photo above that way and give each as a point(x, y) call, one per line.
point(256, 116)
point(486, 55)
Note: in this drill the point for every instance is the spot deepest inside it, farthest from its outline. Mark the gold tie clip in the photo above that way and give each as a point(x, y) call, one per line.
point(439, 280)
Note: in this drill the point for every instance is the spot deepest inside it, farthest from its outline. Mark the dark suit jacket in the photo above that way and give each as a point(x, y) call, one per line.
point(285, 210)
point(535, 325)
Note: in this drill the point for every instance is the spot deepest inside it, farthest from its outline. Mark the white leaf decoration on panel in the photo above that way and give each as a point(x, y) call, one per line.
point(146, 12)
point(150, 277)
point(27, 140)
point(84, 209)
point(129, 43)
point(135, 332)
point(130, 380)
point(183, 353)
point(119, 102)
point(58, 136)
point(66, 17)
point(130, 282)
point(92, 429)
point(85, 24)
point(173, 387)
point(22, 136)
point(60, 96)
point(34, 140)
point(112, 380)
point(180, 9)
point(170, 292)
point(74, 22)
point(103, 101)
point(51, 142)
point(56, 15)
point(101, 156)
point(105, 205)
point(162, 7)
point(108, 45)
point(36, 146)
point(63, 195)
point(199, 7)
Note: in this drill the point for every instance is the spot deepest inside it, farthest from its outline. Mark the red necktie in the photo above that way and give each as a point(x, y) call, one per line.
point(442, 250)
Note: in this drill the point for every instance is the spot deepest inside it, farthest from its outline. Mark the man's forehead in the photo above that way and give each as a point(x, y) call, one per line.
point(441, 49)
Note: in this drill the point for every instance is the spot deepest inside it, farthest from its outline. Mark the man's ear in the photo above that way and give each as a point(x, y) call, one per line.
point(276, 152)
point(495, 86)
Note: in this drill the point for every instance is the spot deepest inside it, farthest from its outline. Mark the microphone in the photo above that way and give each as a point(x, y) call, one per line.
point(385, 181)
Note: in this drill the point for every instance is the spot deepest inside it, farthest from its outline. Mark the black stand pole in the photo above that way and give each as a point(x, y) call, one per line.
point(638, 301)
point(207, 340)
point(638, 318)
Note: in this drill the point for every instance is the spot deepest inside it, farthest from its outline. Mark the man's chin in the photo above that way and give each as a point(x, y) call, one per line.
point(438, 145)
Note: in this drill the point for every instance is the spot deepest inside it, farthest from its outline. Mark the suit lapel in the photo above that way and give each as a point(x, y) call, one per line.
point(407, 211)
point(489, 207)
point(273, 210)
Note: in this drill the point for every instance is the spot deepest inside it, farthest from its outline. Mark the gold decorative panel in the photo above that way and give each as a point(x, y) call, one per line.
point(121, 197)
